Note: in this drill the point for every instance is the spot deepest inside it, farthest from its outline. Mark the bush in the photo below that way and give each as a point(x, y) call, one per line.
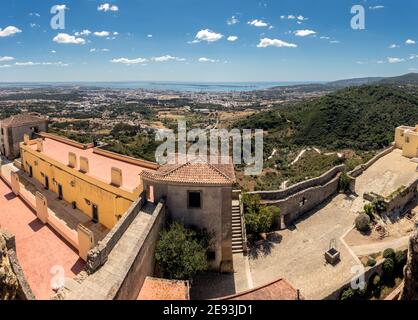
point(388, 267)
point(389, 254)
point(263, 221)
point(379, 205)
point(181, 252)
point(363, 222)
point(400, 259)
point(369, 210)
point(371, 262)
point(376, 282)
point(344, 183)
point(347, 294)
point(251, 203)
point(362, 293)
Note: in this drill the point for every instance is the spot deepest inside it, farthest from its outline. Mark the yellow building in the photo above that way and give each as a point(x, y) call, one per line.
point(406, 138)
point(101, 184)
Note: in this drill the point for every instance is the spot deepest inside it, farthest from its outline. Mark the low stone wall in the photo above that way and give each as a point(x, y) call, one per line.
point(144, 262)
point(293, 207)
point(76, 144)
point(25, 292)
point(315, 182)
point(128, 264)
point(358, 171)
point(97, 256)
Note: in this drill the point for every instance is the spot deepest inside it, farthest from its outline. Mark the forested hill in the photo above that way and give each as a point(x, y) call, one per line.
point(362, 118)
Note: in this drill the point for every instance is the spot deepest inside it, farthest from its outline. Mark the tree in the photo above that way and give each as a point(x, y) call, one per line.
point(389, 254)
point(262, 221)
point(388, 267)
point(251, 203)
point(369, 209)
point(347, 294)
point(362, 222)
point(181, 252)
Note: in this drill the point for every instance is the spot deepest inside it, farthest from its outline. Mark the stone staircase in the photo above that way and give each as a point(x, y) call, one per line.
point(237, 240)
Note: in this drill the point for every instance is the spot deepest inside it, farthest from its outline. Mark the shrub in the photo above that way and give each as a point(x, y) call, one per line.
point(362, 292)
point(251, 203)
point(263, 221)
point(347, 294)
point(181, 252)
point(371, 262)
point(400, 259)
point(388, 267)
point(379, 205)
point(363, 222)
point(369, 210)
point(344, 183)
point(389, 254)
point(376, 282)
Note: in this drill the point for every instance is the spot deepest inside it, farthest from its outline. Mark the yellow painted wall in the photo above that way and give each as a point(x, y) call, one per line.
point(85, 191)
point(407, 140)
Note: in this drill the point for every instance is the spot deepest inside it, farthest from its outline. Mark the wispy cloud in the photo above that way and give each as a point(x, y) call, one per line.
point(393, 46)
point(31, 64)
point(6, 58)
point(294, 17)
point(167, 58)
point(304, 33)
point(231, 21)
point(204, 60)
point(232, 38)
point(395, 60)
point(105, 7)
point(266, 42)
point(101, 33)
point(258, 23)
point(127, 61)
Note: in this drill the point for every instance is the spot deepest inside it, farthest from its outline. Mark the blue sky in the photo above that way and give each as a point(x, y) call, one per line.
point(196, 40)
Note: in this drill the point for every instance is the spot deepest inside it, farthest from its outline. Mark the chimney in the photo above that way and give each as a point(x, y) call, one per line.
point(84, 165)
point(72, 160)
point(116, 177)
point(39, 145)
point(26, 139)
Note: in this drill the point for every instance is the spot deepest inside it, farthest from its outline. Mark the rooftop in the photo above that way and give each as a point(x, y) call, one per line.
point(387, 175)
point(99, 165)
point(195, 171)
point(35, 242)
point(21, 119)
point(163, 289)
point(276, 290)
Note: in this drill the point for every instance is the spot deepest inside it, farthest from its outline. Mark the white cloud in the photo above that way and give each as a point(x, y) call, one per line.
point(34, 25)
point(258, 23)
point(53, 51)
point(115, 33)
point(108, 7)
point(6, 58)
point(207, 35)
point(324, 38)
point(128, 62)
point(31, 64)
point(335, 41)
point(203, 59)
point(413, 56)
point(395, 60)
point(167, 58)
point(9, 31)
point(304, 33)
point(376, 7)
point(393, 46)
point(5, 66)
point(149, 36)
point(85, 32)
point(231, 21)
point(410, 41)
point(34, 14)
point(101, 33)
point(294, 17)
point(99, 50)
point(232, 38)
point(266, 42)
point(65, 38)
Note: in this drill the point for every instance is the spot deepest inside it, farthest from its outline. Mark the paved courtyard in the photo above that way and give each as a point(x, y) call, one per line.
point(38, 247)
point(298, 255)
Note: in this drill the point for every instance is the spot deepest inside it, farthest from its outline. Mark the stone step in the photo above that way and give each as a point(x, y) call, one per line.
point(236, 219)
point(234, 224)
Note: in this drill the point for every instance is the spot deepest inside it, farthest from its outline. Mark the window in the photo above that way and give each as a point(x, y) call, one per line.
point(194, 199)
point(407, 139)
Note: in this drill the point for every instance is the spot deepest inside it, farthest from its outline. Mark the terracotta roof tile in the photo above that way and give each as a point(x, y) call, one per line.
point(162, 289)
point(196, 171)
point(21, 119)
